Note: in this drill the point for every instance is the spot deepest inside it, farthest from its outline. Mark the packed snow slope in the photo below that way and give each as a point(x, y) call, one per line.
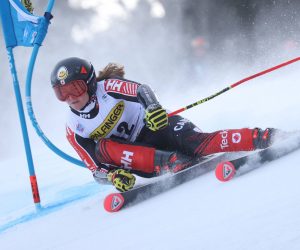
point(259, 210)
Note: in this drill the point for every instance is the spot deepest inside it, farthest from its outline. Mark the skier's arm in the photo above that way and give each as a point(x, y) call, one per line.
point(156, 116)
point(120, 88)
point(85, 148)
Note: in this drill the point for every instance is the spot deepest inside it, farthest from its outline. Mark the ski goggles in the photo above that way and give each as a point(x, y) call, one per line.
point(74, 88)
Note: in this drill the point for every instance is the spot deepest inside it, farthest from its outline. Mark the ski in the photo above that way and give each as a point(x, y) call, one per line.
point(226, 170)
point(116, 201)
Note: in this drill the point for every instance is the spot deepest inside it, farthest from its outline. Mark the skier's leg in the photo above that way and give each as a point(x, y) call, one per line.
point(141, 160)
point(234, 140)
point(183, 136)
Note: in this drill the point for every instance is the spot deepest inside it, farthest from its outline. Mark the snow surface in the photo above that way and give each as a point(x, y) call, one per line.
point(255, 211)
point(259, 210)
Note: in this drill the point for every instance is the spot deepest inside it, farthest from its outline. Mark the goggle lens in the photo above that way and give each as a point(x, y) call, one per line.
point(75, 88)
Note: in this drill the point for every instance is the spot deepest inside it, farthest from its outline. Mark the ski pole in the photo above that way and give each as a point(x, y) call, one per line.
point(234, 85)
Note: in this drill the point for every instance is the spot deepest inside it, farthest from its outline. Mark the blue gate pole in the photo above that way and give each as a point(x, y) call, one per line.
point(33, 181)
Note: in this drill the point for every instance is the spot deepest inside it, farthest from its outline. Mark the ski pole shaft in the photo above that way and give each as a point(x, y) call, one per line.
point(234, 85)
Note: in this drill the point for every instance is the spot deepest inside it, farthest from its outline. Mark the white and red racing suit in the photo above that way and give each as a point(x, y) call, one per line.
point(110, 132)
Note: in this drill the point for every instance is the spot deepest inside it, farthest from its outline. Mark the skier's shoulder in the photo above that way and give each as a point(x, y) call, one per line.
point(119, 85)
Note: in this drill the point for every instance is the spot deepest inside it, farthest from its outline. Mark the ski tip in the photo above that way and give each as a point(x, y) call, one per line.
point(113, 202)
point(225, 171)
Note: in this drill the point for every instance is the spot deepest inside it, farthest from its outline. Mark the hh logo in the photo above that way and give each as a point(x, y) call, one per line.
point(85, 116)
point(126, 159)
point(236, 137)
point(121, 86)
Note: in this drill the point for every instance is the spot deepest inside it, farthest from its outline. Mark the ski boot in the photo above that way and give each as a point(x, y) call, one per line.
point(171, 162)
point(264, 138)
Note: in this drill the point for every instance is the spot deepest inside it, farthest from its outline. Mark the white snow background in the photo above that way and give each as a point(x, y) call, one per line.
point(259, 210)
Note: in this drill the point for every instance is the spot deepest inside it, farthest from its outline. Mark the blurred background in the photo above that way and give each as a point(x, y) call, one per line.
point(185, 49)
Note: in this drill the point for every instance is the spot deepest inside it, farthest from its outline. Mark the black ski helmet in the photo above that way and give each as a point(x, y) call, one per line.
point(74, 68)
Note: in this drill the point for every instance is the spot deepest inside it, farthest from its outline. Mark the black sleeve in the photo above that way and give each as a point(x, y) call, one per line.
point(146, 96)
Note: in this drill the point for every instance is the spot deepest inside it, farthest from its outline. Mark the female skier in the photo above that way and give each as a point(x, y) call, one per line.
point(118, 127)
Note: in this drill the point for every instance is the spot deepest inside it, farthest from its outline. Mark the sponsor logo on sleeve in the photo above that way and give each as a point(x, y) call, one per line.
point(121, 87)
point(109, 122)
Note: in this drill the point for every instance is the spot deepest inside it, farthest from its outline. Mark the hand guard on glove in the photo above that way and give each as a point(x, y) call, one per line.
point(121, 179)
point(156, 117)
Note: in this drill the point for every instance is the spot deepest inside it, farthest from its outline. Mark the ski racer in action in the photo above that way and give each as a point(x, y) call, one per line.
point(119, 128)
